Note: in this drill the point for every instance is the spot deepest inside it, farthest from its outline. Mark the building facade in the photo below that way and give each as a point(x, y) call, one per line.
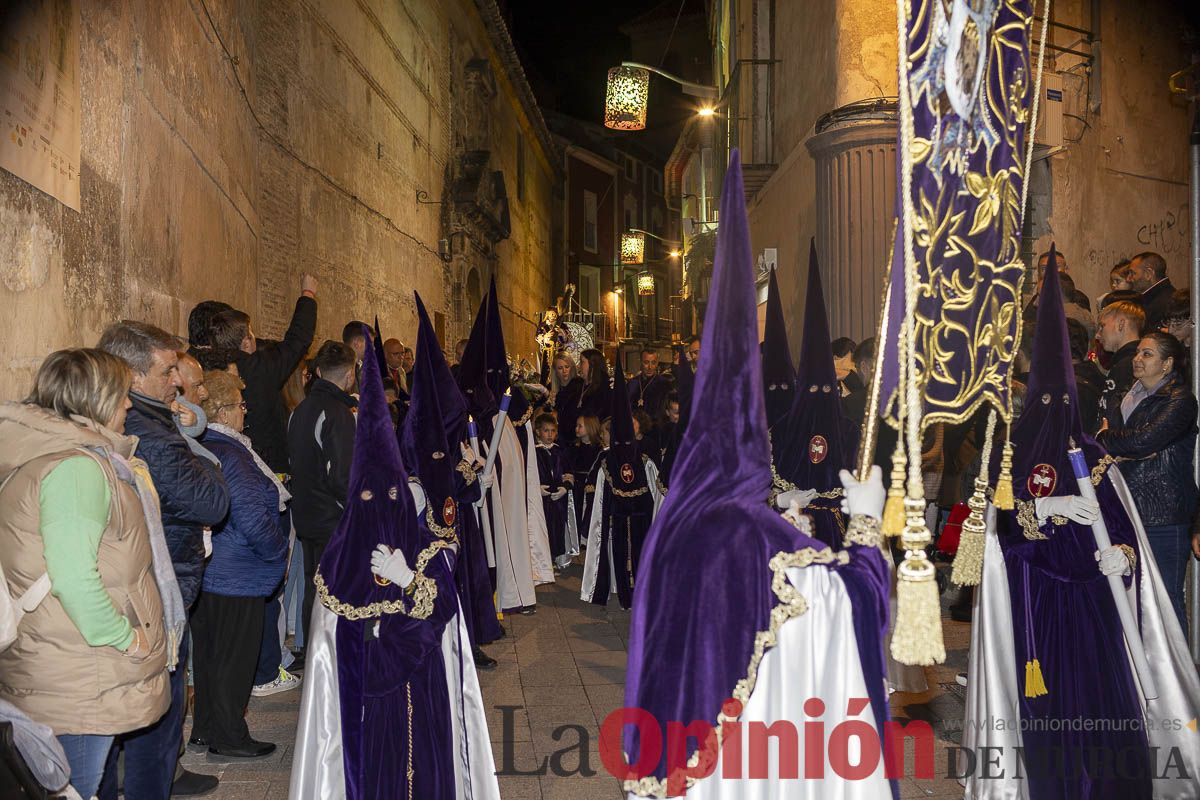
point(383, 147)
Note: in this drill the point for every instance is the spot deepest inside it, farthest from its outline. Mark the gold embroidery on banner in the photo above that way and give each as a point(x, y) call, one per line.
point(791, 605)
point(1027, 516)
point(423, 593)
point(1101, 468)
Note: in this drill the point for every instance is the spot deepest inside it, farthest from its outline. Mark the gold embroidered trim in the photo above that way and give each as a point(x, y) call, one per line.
point(1101, 468)
point(410, 773)
point(791, 604)
point(863, 530)
point(441, 531)
point(622, 492)
point(525, 417)
point(1059, 519)
point(1027, 516)
point(1130, 556)
point(423, 591)
point(468, 473)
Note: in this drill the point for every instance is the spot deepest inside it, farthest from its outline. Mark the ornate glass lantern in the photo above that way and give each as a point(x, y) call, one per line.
point(633, 248)
point(645, 284)
point(625, 102)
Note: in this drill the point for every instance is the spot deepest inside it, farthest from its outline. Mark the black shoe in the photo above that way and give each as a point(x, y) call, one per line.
point(251, 749)
point(483, 660)
point(297, 664)
point(198, 741)
point(193, 784)
point(528, 611)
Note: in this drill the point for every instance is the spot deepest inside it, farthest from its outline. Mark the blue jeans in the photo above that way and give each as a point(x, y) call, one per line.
point(87, 754)
point(152, 752)
point(1171, 545)
point(271, 653)
point(293, 595)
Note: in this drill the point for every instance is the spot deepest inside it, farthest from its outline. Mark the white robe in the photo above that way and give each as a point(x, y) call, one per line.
point(317, 766)
point(591, 564)
point(816, 655)
point(993, 694)
point(510, 533)
point(539, 531)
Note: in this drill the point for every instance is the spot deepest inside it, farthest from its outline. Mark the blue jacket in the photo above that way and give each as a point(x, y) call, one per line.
point(250, 546)
point(191, 489)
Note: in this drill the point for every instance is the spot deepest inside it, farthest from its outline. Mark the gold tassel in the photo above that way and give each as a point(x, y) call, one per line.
point(917, 639)
point(1004, 488)
point(1035, 684)
point(968, 561)
point(892, 523)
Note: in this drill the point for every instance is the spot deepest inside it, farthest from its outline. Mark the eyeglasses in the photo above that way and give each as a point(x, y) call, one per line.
point(241, 405)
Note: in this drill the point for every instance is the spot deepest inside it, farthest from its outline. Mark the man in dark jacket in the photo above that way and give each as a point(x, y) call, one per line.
point(265, 367)
point(193, 495)
point(1121, 326)
point(1149, 276)
point(321, 443)
point(648, 389)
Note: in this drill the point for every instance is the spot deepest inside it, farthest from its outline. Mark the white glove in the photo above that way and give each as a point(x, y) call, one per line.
point(468, 454)
point(1073, 507)
point(486, 480)
point(795, 498)
point(1113, 561)
point(864, 498)
point(418, 495)
point(545, 490)
point(391, 565)
point(559, 493)
point(799, 519)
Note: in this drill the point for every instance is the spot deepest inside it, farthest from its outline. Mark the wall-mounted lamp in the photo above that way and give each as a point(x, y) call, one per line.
point(633, 247)
point(629, 92)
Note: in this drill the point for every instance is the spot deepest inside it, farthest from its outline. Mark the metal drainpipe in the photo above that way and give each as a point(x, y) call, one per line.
point(1194, 291)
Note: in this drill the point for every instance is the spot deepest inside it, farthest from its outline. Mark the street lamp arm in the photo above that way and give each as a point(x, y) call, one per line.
point(694, 89)
point(653, 235)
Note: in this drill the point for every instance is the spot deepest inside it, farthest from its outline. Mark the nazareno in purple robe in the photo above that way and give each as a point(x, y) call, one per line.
point(704, 585)
point(395, 714)
point(814, 441)
point(1062, 608)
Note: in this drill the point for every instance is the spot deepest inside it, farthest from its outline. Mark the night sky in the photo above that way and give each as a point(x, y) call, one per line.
point(567, 49)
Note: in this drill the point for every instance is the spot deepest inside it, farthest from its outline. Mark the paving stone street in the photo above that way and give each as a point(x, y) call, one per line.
point(565, 666)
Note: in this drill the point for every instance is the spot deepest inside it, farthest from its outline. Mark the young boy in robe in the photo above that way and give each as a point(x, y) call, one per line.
point(554, 489)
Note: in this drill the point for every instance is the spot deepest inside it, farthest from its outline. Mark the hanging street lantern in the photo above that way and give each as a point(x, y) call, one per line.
point(625, 102)
point(633, 248)
point(645, 284)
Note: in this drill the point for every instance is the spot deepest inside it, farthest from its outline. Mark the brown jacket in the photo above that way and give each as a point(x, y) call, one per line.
point(50, 672)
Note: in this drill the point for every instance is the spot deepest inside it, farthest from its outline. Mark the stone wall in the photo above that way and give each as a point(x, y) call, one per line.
point(230, 145)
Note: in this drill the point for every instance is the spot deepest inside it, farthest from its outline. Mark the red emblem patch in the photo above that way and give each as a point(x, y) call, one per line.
point(1042, 480)
point(818, 449)
point(449, 512)
point(627, 473)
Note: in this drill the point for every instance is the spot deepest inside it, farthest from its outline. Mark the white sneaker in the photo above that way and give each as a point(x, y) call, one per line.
point(284, 683)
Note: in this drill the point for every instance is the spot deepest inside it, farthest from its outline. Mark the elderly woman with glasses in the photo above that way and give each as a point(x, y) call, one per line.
point(249, 555)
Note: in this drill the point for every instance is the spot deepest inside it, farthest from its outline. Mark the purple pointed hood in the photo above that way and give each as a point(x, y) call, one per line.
point(472, 373)
point(779, 376)
point(379, 508)
point(814, 442)
point(497, 362)
point(1051, 415)
point(427, 450)
point(623, 458)
point(690, 644)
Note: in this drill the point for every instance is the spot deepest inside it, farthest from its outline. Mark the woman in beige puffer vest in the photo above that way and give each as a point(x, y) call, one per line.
point(90, 661)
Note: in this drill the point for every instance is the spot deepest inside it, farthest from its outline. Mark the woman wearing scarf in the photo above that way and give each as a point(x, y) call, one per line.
point(82, 541)
point(247, 565)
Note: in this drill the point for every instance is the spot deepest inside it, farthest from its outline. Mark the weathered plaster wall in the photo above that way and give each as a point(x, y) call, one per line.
point(1120, 187)
point(207, 175)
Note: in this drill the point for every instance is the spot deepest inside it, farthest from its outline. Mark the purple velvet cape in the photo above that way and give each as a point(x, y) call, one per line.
point(816, 415)
point(1063, 611)
point(377, 677)
point(704, 588)
point(437, 423)
point(779, 376)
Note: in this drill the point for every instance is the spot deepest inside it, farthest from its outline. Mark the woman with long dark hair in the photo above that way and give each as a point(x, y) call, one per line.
point(1154, 438)
point(596, 400)
point(566, 389)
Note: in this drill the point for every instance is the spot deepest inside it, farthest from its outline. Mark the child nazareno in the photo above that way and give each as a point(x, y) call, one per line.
point(554, 489)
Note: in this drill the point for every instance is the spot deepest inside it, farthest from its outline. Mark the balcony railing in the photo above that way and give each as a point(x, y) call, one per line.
point(749, 101)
